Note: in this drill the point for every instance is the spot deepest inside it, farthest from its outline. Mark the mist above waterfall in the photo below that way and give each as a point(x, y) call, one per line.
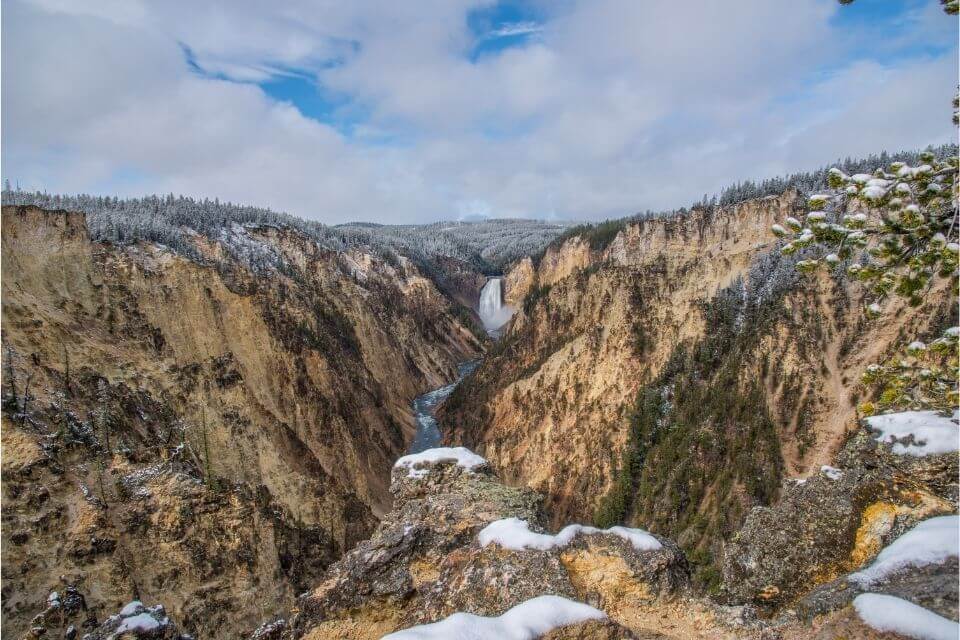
point(493, 312)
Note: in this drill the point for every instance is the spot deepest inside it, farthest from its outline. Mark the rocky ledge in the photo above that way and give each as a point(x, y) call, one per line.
point(458, 541)
point(837, 521)
point(854, 550)
point(866, 549)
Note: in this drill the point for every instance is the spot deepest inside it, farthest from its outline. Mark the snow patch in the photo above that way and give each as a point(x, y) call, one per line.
point(514, 533)
point(142, 623)
point(917, 433)
point(889, 613)
point(461, 455)
point(932, 541)
point(131, 608)
point(526, 621)
point(831, 472)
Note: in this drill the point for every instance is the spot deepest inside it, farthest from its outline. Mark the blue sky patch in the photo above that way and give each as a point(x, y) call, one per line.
point(503, 25)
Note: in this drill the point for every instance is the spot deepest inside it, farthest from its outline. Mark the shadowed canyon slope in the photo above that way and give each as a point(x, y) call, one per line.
point(672, 373)
point(209, 434)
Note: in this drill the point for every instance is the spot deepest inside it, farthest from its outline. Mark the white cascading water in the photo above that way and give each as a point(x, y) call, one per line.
point(493, 312)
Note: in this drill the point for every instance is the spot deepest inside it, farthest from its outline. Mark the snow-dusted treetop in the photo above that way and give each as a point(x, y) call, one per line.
point(169, 220)
point(490, 244)
point(896, 228)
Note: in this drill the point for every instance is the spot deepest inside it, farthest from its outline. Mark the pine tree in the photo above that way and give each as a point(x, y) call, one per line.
point(897, 229)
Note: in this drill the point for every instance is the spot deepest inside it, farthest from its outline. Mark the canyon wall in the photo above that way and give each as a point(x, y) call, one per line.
point(210, 434)
point(672, 376)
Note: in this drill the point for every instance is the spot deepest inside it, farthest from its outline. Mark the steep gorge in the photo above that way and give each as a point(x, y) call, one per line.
point(207, 433)
point(671, 374)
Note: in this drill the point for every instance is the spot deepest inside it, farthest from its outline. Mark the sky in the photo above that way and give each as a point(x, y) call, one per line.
point(398, 111)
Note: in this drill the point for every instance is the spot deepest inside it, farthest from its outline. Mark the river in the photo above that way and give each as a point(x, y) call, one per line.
point(428, 432)
point(494, 314)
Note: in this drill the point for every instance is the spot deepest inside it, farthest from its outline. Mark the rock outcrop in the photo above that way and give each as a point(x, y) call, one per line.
point(835, 522)
point(461, 548)
point(425, 562)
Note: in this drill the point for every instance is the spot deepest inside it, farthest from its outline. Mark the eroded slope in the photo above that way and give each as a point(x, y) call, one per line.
point(211, 432)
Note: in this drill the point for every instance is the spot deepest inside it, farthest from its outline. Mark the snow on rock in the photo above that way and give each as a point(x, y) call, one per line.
point(140, 623)
point(831, 472)
point(416, 463)
point(526, 621)
point(131, 608)
point(892, 614)
point(137, 620)
point(932, 541)
point(514, 533)
point(917, 433)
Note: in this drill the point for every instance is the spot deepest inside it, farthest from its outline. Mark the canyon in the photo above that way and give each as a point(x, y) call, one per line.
point(218, 430)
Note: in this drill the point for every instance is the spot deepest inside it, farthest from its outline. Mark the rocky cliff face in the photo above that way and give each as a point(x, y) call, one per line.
point(673, 377)
point(210, 434)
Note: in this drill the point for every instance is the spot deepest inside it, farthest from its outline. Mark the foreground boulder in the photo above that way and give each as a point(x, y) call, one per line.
point(138, 621)
point(836, 521)
point(427, 560)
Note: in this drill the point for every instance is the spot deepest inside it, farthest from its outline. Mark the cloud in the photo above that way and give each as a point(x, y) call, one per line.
point(614, 107)
point(515, 29)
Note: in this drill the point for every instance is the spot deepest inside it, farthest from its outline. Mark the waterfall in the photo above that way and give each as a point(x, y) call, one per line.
point(493, 312)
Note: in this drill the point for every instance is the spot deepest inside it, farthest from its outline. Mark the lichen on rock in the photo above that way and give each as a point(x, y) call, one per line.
point(800, 551)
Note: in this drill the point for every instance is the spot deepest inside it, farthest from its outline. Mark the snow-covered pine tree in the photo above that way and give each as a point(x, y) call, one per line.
point(897, 229)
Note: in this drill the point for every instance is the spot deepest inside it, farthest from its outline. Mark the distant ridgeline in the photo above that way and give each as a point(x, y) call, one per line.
point(489, 245)
point(601, 234)
point(169, 220)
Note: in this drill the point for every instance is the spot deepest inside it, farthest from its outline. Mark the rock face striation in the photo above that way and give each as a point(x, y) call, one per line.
point(207, 433)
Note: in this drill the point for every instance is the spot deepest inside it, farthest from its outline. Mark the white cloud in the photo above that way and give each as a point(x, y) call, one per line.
point(515, 29)
point(615, 106)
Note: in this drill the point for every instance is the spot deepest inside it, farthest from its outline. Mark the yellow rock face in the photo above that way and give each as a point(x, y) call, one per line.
point(560, 423)
point(294, 385)
point(369, 623)
point(598, 573)
point(878, 519)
